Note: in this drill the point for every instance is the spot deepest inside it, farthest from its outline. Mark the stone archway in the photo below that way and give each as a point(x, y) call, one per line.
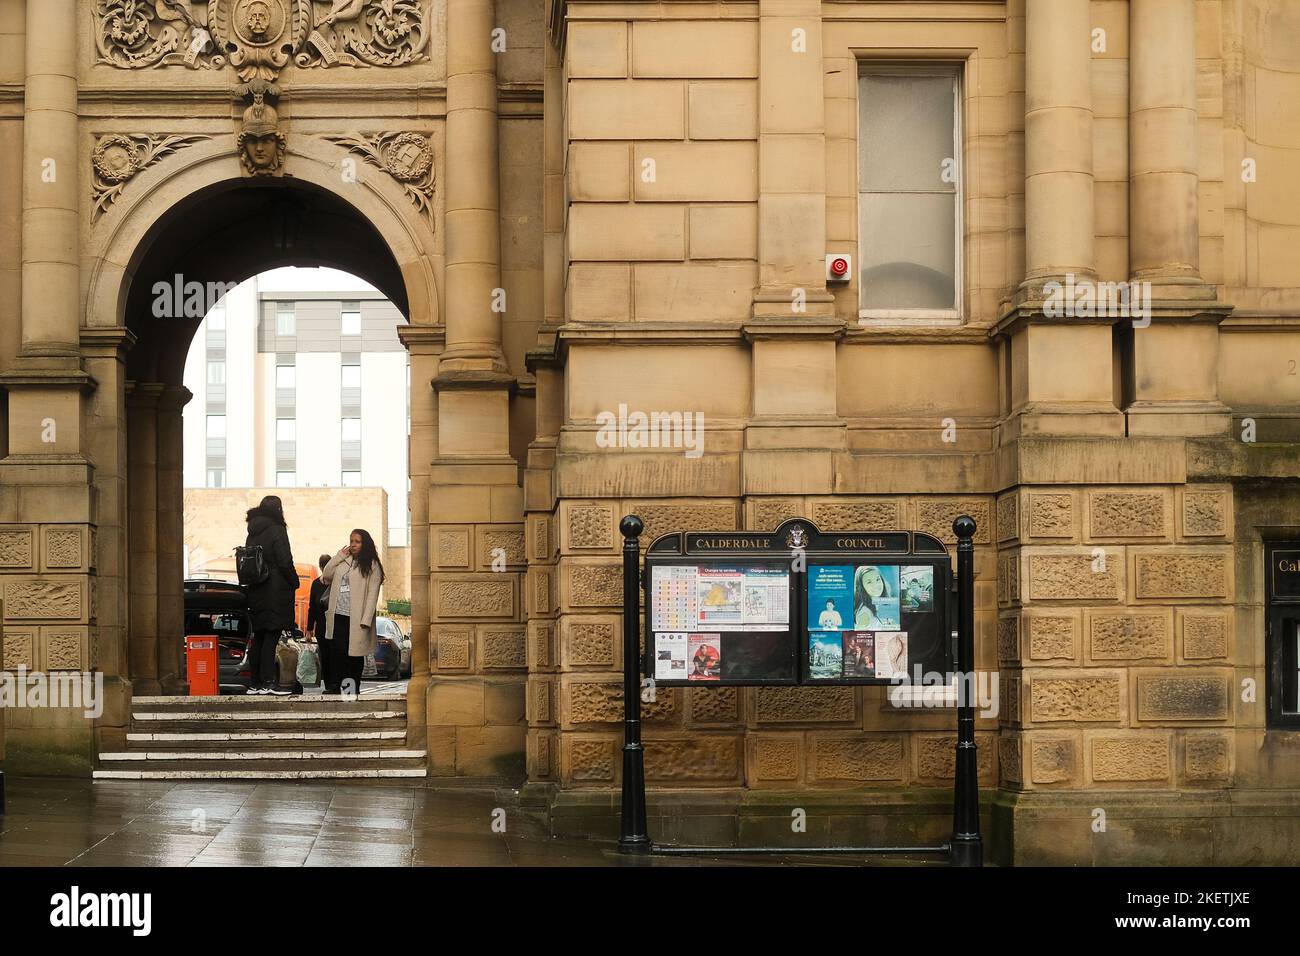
point(207, 224)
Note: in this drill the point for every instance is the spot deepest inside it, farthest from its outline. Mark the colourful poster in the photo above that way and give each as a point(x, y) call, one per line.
point(825, 656)
point(720, 597)
point(875, 598)
point(767, 599)
point(891, 654)
point(917, 587)
point(674, 601)
point(830, 597)
point(859, 654)
point(705, 655)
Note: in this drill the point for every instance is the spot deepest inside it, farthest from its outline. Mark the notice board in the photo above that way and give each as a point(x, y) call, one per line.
point(796, 606)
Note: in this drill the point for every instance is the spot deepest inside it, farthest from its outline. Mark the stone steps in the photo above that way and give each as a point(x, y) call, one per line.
point(236, 737)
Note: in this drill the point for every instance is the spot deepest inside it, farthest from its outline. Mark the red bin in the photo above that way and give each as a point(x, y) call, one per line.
point(201, 665)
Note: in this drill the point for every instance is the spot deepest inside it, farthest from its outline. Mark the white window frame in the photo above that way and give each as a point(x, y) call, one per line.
point(343, 376)
point(292, 313)
point(343, 430)
point(293, 372)
point(343, 479)
point(217, 318)
point(286, 479)
point(216, 373)
point(955, 69)
point(209, 429)
point(280, 423)
point(345, 314)
point(220, 476)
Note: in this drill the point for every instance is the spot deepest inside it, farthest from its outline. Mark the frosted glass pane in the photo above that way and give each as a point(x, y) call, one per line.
point(905, 130)
point(907, 259)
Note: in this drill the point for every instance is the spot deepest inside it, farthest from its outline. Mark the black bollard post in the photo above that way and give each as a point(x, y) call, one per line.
point(632, 824)
point(967, 845)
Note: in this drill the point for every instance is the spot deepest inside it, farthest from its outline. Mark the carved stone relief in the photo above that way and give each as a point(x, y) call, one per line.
point(407, 157)
point(117, 158)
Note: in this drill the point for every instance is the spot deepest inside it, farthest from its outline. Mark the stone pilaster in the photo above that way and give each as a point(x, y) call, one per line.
point(142, 523)
point(171, 533)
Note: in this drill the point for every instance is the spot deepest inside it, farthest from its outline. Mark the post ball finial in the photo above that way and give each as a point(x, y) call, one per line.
point(631, 526)
point(964, 527)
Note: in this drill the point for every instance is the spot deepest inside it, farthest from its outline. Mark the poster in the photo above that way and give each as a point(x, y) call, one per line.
point(720, 593)
point(859, 654)
point(916, 586)
point(875, 598)
point(705, 654)
point(891, 654)
point(674, 602)
point(766, 599)
point(825, 655)
point(830, 597)
point(670, 656)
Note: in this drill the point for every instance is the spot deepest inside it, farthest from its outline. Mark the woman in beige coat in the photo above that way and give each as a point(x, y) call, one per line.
point(353, 576)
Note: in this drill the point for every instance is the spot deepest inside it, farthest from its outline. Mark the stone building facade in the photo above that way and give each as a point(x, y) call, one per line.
point(603, 207)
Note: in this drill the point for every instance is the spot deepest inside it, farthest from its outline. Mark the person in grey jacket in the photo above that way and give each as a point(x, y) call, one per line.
point(354, 576)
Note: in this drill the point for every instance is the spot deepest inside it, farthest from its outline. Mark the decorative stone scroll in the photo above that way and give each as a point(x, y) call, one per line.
point(260, 37)
point(407, 157)
point(117, 157)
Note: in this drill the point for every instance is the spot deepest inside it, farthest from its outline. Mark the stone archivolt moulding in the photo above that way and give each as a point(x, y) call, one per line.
point(117, 157)
point(259, 37)
point(407, 157)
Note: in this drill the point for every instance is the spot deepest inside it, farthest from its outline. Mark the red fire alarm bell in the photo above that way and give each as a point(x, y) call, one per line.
point(838, 267)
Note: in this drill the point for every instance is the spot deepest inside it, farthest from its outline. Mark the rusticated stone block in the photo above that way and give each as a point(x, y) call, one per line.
point(1009, 759)
point(1009, 639)
point(1183, 697)
point(590, 641)
point(1009, 577)
point(1205, 636)
point(1207, 757)
point(858, 514)
point(1009, 699)
point(1127, 514)
point(1076, 577)
point(859, 757)
point(1052, 760)
point(541, 590)
point(776, 758)
point(46, 598)
point(702, 758)
point(1206, 514)
point(541, 537)
point(1128, 636)
point(453, 647)
point(660, 519)
point(601, 702)
point(19, 648)
point(714, 705)
point(595, 585)
point(1181, 574)
point(541, 755)
point(64, 648)
point(503, 648)
point(936, 756)
point(591, 526)
point(1051, 515)
point(451, 547)
point(1051, 636)
point(936, 515)
point(541, 644)
point(16, 547)
point(63, 547)
point(1131, 758)
point(589, 759)
point(1008, 517)
point(1057, 698)
point(767, 514)
point(496, 545)
point(479, 595)
point(540, 703)
point(804, 704)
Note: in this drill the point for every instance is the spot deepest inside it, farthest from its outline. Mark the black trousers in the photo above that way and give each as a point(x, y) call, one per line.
point(343, 667)
point(261, 659)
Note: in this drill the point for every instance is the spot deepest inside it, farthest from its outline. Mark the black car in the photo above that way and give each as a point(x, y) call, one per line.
point(221, 608)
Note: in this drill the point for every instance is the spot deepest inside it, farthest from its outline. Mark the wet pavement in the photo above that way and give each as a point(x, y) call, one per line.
point(58, 822)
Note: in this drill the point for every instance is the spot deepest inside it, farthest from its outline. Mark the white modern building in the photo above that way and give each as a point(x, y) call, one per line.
point(299, 381)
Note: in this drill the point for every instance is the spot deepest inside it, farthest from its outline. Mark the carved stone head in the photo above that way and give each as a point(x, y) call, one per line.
point(257, 18)
point(261, 144)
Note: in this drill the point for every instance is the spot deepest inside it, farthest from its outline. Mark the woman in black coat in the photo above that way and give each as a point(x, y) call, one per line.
point(270, 603)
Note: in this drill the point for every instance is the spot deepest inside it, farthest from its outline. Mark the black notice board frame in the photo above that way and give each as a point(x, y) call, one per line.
point(797, 544)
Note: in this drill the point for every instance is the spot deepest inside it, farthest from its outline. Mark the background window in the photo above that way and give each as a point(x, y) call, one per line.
point(351, 429)
point(351, 376)
point(217, 318)
point(284, 376)
point(216, 426)
point(351, 479)
point(286, 429)
point(216, 478)
point(216, 373)
point(285, 320)
point(286, 479)
point(351, 318)
point(909, 174)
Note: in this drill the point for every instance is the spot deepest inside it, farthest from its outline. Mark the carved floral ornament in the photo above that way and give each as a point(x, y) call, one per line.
point(407, 157)
point(259, 37)
point(117, 157)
